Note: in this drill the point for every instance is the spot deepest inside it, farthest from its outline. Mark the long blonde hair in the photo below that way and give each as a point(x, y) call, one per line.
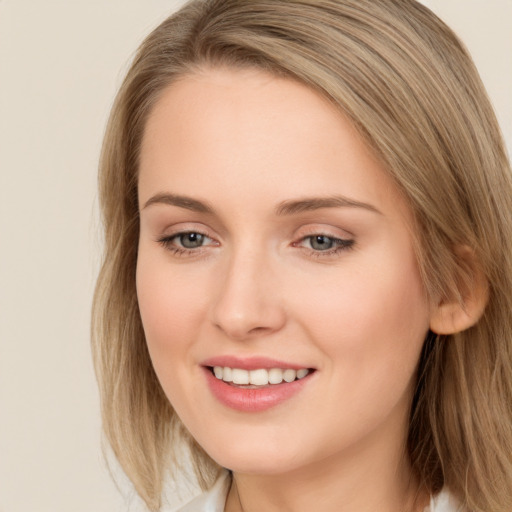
point(409, 86)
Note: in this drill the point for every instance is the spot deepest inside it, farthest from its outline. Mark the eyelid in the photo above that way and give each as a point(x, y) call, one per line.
point(187, 227)
point(341, 241)
point(168, 237)
point(323, 229)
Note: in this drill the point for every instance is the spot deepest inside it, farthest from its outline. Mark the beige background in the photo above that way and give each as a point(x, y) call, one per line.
point(60, 64)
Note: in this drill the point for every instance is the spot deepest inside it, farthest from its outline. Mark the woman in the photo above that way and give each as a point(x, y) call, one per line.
point(308, 275)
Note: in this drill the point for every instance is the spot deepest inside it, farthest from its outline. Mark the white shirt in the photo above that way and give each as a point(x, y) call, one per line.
point(214, 499)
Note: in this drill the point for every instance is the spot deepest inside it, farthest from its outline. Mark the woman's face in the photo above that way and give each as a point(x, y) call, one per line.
point(271, 240)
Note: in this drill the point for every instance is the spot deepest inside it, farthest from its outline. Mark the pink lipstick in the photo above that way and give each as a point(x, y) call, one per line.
point(254, 384)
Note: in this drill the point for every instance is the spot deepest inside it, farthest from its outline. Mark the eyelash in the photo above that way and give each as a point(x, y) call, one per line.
point(168, 243)
point(340, 244)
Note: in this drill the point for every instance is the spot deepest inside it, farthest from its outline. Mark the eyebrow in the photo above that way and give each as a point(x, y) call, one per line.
point(316, 203)
point(181, 201)
point(284, 208)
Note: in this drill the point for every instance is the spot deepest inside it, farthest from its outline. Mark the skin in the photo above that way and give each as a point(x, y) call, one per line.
point(245, 142)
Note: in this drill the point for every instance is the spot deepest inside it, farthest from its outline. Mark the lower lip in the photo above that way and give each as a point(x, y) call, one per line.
point(250, 399)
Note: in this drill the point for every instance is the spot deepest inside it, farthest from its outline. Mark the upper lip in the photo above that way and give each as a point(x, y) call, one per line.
point(250, 363)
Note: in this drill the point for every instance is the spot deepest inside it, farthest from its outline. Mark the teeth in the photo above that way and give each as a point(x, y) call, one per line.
point(289, 375)
point(240, 376)
point(302, 373)
point(227, 375)
point(275, 376)
point(260, 377)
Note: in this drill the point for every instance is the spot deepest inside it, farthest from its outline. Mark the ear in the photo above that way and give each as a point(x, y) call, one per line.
point(458, 313)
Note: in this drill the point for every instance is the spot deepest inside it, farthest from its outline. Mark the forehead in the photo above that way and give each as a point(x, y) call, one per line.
point(251, 132)
point(219, 106)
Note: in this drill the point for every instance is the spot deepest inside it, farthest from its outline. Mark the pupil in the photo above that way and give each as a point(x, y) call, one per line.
point(191, 240)
point(321, 243)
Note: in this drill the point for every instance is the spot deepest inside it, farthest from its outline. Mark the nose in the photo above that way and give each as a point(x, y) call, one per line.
point(249, 303)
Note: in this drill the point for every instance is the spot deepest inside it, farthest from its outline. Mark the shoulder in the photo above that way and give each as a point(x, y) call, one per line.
point(212, 500)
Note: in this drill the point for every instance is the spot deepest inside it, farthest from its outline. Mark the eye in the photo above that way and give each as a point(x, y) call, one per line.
point(186, 242)
point(191, 240)
point(320, 244)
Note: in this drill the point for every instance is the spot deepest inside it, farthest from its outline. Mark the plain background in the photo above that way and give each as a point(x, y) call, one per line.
point(61, 62)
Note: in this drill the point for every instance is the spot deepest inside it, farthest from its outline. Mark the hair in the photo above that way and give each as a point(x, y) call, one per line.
point(408, 85)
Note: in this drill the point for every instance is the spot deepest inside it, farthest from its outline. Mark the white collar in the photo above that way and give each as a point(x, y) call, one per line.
point(214, 500)
point(444, 502)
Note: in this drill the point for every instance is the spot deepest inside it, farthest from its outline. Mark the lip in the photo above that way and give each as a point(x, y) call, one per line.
point(252, 400)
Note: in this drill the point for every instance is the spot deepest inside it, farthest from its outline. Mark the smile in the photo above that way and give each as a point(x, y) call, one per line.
point(253, 388)
point(258, 377)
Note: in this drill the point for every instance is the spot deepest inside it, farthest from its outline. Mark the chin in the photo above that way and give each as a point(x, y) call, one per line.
point(256, 458)
point(258, 466)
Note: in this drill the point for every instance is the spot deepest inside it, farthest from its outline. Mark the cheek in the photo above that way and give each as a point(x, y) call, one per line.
point(371, 333)
point(171, 307)
point(372, 319)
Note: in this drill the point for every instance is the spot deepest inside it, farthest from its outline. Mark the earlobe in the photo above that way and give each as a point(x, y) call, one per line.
point(453, 317)
point(463, 309)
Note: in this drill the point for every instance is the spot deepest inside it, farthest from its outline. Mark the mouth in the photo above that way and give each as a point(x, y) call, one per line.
point(253, 388)
point(258, 378)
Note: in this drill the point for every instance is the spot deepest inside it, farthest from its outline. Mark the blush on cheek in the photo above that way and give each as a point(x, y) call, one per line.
point(374, 320)
point(170, 310)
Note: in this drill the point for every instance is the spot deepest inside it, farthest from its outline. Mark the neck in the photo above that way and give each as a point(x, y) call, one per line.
point(323, 492)
point(346, 484)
